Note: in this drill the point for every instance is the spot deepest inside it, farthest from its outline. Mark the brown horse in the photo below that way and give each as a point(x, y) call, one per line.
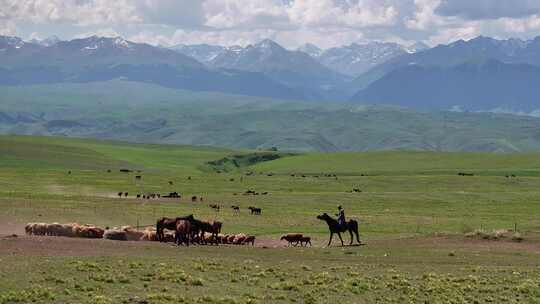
point(212, 227)
point(169, 223)
point(333, 225)
point(183, 232)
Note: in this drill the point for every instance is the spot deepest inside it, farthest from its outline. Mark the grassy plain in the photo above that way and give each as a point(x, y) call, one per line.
point(413, 210)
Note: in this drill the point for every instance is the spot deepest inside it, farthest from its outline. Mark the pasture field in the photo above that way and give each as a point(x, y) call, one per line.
point(414, 211)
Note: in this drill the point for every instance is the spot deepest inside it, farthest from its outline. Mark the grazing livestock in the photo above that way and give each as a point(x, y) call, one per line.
point(215, 207)
point(250, 239)
point(255, 210)
point(465, 174)
point(125, 194)
point(170, 183)
point(36, 228)
point(116, 235)
point(169, 223)
point(183, 232)
point(293, 239)
point(236, 209)
point(194, 199)
point(88, 231)
point(304, 241)
point(334, 227)
point(149, 235)
point(214, 228)
point(239, 239)
point(172, 195)
point(132, 234)
point(120, 194)
point(138, 177)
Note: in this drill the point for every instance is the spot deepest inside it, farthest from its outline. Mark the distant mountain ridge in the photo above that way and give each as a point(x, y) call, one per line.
point(412, 76)
point(293, 68)
point(100, 59)
point(480, 74)
point(473, 86)
point(356, 59)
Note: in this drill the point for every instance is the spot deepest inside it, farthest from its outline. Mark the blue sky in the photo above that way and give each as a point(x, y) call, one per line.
point(326, 23)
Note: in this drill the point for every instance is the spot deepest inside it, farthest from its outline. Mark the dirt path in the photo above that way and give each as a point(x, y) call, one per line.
point(62, 246)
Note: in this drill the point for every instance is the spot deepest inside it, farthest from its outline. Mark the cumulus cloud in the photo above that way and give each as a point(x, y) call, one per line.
point(489, 9)
point(356, 14)
point(78, 12)
point(182, 13)
point(290, 22)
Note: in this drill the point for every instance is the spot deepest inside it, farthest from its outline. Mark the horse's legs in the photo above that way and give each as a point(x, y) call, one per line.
point(331, 236)
point(352, 238)
point(339, 234)
point(357, 237)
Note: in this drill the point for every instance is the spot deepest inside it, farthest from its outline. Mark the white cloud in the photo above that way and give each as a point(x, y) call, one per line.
point(93, 12)
point(7, 28)
point(424, 16)
point(357, 14)
point(489, 9)
point(446, 35)
point(290, 22)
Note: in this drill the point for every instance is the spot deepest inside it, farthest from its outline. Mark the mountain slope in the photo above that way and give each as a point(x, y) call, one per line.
point(356, 59)
point(485, 85)
point(101, 59)
point(202, 52)
point(459, 52)
point(293, 68)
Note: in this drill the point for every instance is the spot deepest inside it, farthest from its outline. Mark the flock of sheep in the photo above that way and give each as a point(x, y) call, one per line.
point(125, 233)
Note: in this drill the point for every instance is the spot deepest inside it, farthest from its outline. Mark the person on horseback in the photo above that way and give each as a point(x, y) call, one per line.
point(341, 216)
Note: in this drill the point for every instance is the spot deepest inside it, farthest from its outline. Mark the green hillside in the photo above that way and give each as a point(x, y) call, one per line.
point(405, 162)
point(68, 154)
point(119, 110)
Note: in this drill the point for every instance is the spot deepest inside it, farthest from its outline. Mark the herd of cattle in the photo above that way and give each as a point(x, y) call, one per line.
point(187, 231)
point(128, 233)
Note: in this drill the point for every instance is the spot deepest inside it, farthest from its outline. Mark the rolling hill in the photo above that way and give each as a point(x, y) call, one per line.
point(121, 110)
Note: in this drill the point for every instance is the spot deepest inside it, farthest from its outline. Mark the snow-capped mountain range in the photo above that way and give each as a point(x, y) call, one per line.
point(349, 60)
point(388, 72)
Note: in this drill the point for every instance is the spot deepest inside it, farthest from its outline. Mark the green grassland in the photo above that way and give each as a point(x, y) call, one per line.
point(413, 210)
point(148, 113)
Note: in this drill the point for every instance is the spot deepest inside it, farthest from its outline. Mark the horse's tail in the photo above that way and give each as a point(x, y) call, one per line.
point(353, 226)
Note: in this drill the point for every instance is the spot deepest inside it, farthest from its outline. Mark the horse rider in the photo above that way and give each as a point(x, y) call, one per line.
point(341, 216)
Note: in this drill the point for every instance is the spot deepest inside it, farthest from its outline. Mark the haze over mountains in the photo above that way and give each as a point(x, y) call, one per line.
point(481, 74)
point(265, 95)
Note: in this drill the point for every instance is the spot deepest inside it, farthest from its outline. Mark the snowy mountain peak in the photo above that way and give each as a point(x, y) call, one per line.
point(13, 42)
point(267, 43)
point(311, 49)
point(49, 41)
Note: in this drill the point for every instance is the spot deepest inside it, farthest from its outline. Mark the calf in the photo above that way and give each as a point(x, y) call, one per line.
point(305, 240)
point(292, 238)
